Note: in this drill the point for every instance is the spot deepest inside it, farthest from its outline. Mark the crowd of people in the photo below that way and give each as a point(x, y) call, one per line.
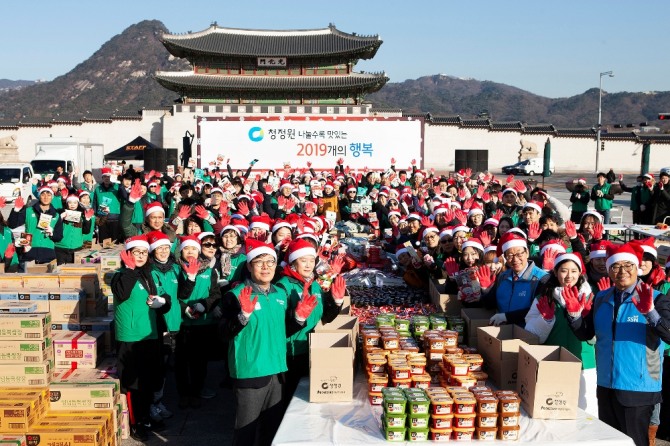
point(247, 262)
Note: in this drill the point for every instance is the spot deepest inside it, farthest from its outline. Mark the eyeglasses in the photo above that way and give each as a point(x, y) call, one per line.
point(264, 263)
point(627, 267)
point(444, 241)
point(209, 245)
point(137, 253)
point(518, 255)
point(431, 236)
point(461, 237)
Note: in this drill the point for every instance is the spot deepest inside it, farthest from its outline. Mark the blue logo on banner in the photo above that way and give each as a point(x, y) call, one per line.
point(256, 134)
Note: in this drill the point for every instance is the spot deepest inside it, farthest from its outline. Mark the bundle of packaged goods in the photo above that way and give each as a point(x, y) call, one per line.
point(25, 350)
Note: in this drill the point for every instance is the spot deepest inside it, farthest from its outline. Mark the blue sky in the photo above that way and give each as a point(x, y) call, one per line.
point(554, 49)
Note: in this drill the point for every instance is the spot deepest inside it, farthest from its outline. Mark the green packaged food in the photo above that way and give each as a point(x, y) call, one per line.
point(394, 403)
point(395, 433)
point(417, 434)
point(418, 421)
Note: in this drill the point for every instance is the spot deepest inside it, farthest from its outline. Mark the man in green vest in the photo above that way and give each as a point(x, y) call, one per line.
point(43, 224)
point(602, 198)
point(107, 199)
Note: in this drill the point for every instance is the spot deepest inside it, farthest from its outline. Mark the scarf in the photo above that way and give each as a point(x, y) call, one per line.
point(290, 272)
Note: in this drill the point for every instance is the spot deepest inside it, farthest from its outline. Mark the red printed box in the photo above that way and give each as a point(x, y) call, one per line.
point(77, 349)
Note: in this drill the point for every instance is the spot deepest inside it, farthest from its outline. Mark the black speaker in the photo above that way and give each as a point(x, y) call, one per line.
point(155, 159)
point(172, 159)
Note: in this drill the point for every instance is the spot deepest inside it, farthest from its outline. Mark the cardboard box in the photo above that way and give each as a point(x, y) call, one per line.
point(110, 260)
point(26, 351)
point(11, 282)
point(548, 381)
point(22, 375)
point(44, 281)
point(55, 423)
point(18, 415)
point(16, 307)
point(40, 297)
point(25, 326)
point(331, 371)
point(347, 324)
point(99, 395)
point(77, 349)
point(12, 440)
point(52, 435)
point(345, 310)
point(474, 318)
point(67, 305)
point(104, 324)
point(42, 268)
point(446, 303)
point(87, 282)
point(40, 395)
point(499, 346)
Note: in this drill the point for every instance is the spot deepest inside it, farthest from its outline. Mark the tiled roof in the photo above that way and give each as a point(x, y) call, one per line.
point(385, 110)
point(183, 81)
point(665, 138)
point(475, 123)
point(507, 126)
point(446, 120)
point(97, 116)
point(425, 116)
point(538, 128)
point(73, 120)
point(34, 122)
point(319, 43)
point(126, 115)
point(7, 124)
point(576, 132)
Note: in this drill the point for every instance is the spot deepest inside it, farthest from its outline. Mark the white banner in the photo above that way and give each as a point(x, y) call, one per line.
point(274, 141)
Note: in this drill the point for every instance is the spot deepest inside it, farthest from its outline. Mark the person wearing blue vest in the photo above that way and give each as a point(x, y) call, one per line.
point(631, 323)
point(513, 291)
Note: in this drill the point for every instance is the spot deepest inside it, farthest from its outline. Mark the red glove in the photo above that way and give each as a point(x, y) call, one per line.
point(570, 229)
point(281, 202)
point(184, 212)
point(645, 303)
point(519, 186)
point(462, 194)
point(290, 204)
point(88, 213)
point(191, 268)
point(340, 161)
point(246, 304)
point(468, 203)
point(268, 188)
point(223, 208)
point(64, 192)
point(128, 259)
point(3, 202)
point(572, 303)
point(480, 190)
point(19, 203)
point(485, 238)
point(588, 303)
point(319, 202)
point(392, 161)
point(546, 308)
point(305, 307)
point(338, 289)
point(450, 266)
point(468, 173)
point(657, 276)
point(242, 208)
point(449, 215)
point(337, 264)
point(201, 212)
point(10, 251)
point(534, 231)
point(485, 277)
point(604, 283)
point(283, 245)
point(461, 216)
point(510, 179)
point(413, 162)
point(598, 231)
point(486, 197)
point(135, 191)
point(549, 259)
point(425, 221)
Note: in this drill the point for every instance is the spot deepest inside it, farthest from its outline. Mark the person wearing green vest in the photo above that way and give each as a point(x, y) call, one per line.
point(76, 222)
point(165, 273)
point(298, 283)
point(548, 319)
point(602, 198)
point(198, 293)
point(231, 258)
point(256, 322)
point(154, 216)
point(85, 201)
point(139, 322)
point(42, 222)
point(10, 258)
point(107, 199)
point(579, 198)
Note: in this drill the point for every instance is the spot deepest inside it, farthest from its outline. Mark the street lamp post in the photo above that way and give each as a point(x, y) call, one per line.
point(600, 113)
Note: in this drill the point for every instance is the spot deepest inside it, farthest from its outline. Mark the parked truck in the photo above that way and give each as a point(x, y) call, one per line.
point(70, 154)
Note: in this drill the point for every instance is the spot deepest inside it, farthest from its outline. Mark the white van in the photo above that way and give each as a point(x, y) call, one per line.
point(535, 166)
point(15, 181)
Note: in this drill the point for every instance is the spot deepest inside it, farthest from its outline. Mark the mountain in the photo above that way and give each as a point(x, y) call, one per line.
point(6, 84)
point(118, 77)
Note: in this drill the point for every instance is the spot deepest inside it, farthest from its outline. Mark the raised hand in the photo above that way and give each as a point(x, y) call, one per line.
point(461, 216)
point(64, 192)
point(268, 188)
point(510, 179)
point(337, 264)
point(480, 190)
point(656, 276)
point(534, 231)
point(290, 204)
point(519, 186)
point(3, 202)
point(191, 268)
point(485, 238)
point(462, 193)
point(450, 266)
point(549, 259)
point(281, 202)
point(184, 212)
point(242, 208)
point(604, 283)
point(413, 162)
point(546, 308)
point(425, 221)
point(570, 229)
point(10, 251)
point(337, 290)
point(88, 213)
point(486, 197)
point(392, 161)
point(598, 231)
point(340, 161)
point(468, 203)
point(485, 276)
point(468, 173)
point(449, 215)
point(588, 303)
point(201, 212)
point(305, 307)
point(128, 259)
point(645, 303)
point(246, 304)
point(572, 302)
point(19, 203)
point(283, 245)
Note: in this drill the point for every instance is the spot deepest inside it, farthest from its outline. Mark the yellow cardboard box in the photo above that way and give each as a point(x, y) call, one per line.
point(27, 393)
point(99, 424)
point(16, 416)
point(51, 435)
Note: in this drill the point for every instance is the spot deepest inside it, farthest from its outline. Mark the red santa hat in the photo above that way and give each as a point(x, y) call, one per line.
point(647, 246)
point(473, 243)
point(204, 234)
point(280, 224)
point(285, 183)
point(257, 197)
point(156, 239)
point(581, 181)
point(45, 189)
point(84, 192)
point(446, 233)
point(152, 183)
point(511, 240)
point(552, 244)
point(461, 228)
point(573, 256)
point(599, 250)
point(429, 229)
point(649, 176)
point(300, 248)
point(491, 222)
point(519, 232)
point(189, 240)
point(215, 190)
point(62, 179)
point(413, 216)
point(72, 197)
point(256, 248)
point(441, 209)
point(475, 210)
point(491, 248)
point(329, 184)
point(593, 214)
point(261, 222)
point(396, 213)
point(153, 207)
point(400, 249)
point(509, 190)
point(241, 224)
point(136, 241)
point(537, 205)
point(106, 171)
point(308, 235)
point(628, 252)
